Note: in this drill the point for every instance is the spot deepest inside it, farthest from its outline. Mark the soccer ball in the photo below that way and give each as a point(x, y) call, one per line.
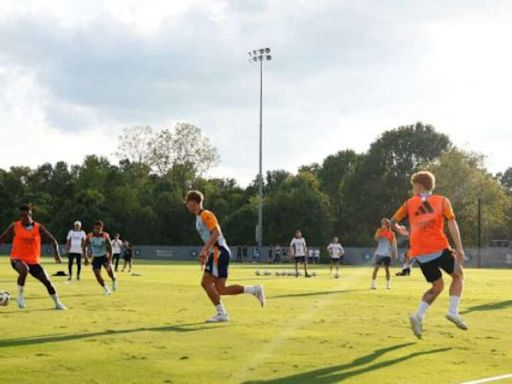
point(267, 273)
point(337, 275)
point(278, 273)
point(257, 273)
point(5, 297)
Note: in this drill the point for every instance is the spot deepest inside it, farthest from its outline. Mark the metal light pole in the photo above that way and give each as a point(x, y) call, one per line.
point(259, 56)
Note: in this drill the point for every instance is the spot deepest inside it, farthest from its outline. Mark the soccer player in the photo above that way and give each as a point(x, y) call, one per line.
point(117, 247)
point(127, 256)
point(386, 248)
point(74, 248)
point(430, 247)
point(26, 236)
point(214, 258)
point(100, 247)
point(298, 250)
point(336, 252)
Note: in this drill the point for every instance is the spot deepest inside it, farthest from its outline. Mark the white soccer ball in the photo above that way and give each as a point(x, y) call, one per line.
point(5, 297)
point(257, 273)
point(267, 273)
point(313, 273)
point(278, 273)
point(337, 276)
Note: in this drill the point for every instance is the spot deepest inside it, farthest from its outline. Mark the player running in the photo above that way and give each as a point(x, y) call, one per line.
point(98, 244)
point(74, 248)
point(386, 248)
point(214, 258)
point(336, 252)
point(298, 250)
point(430, 247)
point(26, 236)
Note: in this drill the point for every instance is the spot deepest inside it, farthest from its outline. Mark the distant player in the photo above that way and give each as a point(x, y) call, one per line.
point(99, 246)
point(386, 249)
point(406, 266)
point(214, 257)
point(298, 250)
point(336, 252)
point(127, 256)
point(117, 247)
point(26, 236)
point(430, 247)
point(74, 248)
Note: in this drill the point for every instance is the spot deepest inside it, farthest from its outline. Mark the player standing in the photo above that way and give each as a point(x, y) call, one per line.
point(100, 247)
point(298, 250)
point(336, 252)
point(74, 248)
point(386, 248)
point(214, 257)
point(430, 247)
point(26, 236)
point(117, 247)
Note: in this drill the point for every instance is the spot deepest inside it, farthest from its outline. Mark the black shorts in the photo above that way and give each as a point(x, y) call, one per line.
point(218, 269)
point(432, 269)
point(74, 255)
point(300, 259)
point(116, 256)
point(386, 260)
point(99, 261)
point(34, 269)
point(127, 258)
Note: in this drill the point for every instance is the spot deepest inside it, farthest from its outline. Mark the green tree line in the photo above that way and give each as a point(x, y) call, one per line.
point(141, 196)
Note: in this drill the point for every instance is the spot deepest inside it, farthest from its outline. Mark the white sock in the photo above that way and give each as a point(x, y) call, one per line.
point(374, 283)
point(20, 291)
point(388, 283)
point(220, 309)
point(251, 290)
point(454, 305)
point(55, 298)
point(422, 309)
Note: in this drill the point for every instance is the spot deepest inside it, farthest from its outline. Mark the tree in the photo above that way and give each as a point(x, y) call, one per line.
point(135, 144)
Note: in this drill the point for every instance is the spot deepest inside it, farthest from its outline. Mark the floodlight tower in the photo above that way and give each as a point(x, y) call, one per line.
point(259, 56)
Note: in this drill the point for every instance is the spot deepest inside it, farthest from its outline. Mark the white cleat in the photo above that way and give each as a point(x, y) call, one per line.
point(457, 320)
point(21, 302)
point(218, 318)
point(373, 286)
point(106, 291)
point(114, 285)
point(416, 325)
point(61, 307)
point(260, 295)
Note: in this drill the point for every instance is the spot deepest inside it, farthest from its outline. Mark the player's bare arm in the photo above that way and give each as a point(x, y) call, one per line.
point(453, 227)
point(85, 246)
point(8, 234)
point(108, 244)
point(205, 251)
point(49, 238)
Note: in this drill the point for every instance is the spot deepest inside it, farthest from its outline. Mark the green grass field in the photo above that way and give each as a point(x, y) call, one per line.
point(319, 330)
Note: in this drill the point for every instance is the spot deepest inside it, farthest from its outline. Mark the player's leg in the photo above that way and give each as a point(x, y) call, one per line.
point(78, 266)
point(448, 264)
point(337, 264)
point(387, 263)
point(71, 257)
point(296, 267)
point(208, 284)
point(40, 274)
point(97, 262)
point(130, 264)
point(332, 264)
point(22, 269)
point(110, 271)
point(306, 274)
point(374, 273)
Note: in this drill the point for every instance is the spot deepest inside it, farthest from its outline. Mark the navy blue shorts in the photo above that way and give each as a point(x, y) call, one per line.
point(218, 269)
point(337, 260)
point(98, 261)
point(34, 269)
point(300, 259)
point(386, 260)
point(432, 269)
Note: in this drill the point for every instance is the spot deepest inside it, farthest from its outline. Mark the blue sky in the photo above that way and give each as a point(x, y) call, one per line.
point(74, 73)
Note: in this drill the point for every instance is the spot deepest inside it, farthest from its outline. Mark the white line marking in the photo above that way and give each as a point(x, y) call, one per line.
point(490, 379)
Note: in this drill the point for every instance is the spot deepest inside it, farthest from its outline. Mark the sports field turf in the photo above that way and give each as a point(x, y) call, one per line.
point(319, 330)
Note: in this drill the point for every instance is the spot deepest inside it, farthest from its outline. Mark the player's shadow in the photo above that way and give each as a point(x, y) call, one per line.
point(180, 328)
point(489, 307)
point(337, 373)
point(317, 293)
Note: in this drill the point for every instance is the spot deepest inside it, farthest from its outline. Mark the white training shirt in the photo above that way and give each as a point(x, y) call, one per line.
point(76, 238)
point(116, 246)
point(298, 246)
point(335, 250)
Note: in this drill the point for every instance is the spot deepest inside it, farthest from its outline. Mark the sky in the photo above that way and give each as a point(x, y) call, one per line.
point(73, 74)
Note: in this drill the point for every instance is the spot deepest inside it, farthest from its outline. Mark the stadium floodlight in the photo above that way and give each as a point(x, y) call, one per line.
point(260, 55)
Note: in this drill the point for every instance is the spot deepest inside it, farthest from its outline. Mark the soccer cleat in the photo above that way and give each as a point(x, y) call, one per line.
point(21, 302)
point(373, 286)
point(457, 320)
point(416, 325)
point(260, 294)
point(106, 291)
point(218, 318)
point(61, 307)
point(307, 275)
point(114, 285)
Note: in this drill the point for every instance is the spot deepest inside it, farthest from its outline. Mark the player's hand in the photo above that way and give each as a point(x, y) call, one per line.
point(459, 255)
point(402, 230)
point(203, 256)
